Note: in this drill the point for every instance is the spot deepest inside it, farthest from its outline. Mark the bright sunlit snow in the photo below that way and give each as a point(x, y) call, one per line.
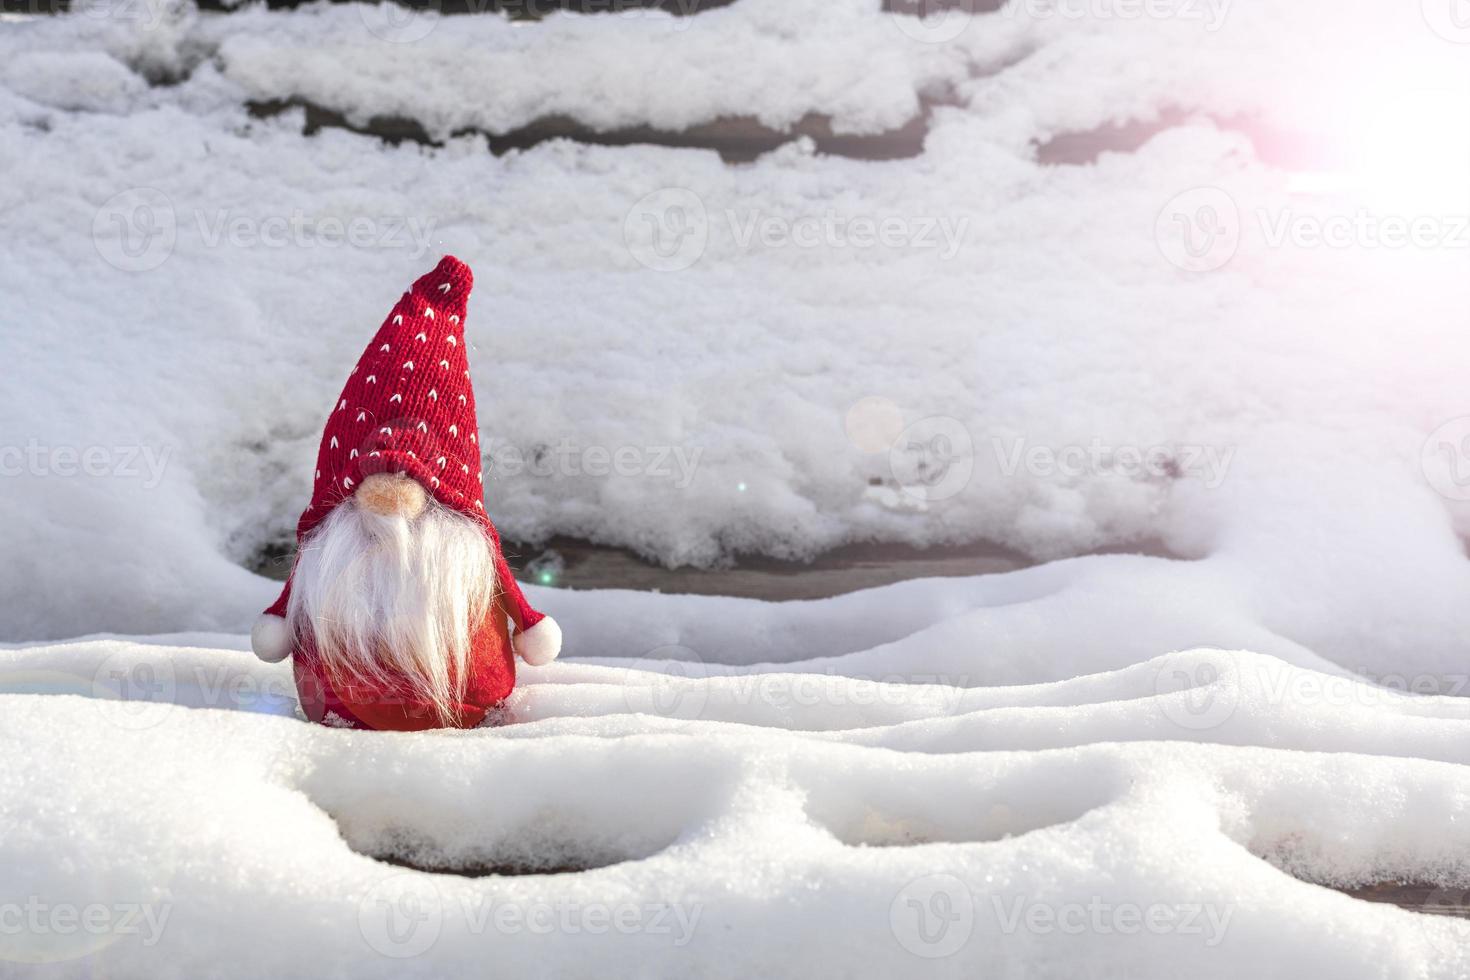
point(941, 777)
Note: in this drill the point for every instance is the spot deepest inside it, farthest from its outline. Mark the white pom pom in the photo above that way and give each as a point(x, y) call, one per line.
point(540, 644)
point(270, 638)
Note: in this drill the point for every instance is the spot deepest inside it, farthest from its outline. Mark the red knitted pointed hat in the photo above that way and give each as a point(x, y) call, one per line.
point(408, 407)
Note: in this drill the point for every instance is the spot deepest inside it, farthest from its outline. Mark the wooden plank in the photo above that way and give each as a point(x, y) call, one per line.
point(737, 140)
point(1416, 898)
point(577, 564)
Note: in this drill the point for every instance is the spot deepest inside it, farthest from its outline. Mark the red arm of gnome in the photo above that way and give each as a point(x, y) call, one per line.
point(537, 638)
point(270, 638)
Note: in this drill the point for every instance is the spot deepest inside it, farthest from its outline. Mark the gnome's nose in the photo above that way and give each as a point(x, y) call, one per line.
point(392, 495)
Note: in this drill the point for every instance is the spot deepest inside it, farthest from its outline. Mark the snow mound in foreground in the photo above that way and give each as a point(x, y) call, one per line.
point(749, 822)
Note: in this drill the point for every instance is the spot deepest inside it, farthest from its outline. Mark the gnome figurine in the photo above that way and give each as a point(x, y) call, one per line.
point(399, 610)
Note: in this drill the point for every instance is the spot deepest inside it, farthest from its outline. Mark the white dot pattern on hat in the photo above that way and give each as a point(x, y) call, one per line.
point(411, 425)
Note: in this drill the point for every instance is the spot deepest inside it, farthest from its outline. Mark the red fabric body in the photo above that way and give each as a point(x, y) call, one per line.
point(408, 407)
point(355, 704)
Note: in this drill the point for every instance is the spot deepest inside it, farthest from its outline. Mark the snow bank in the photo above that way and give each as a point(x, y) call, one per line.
point(1032, 69)
point(240, 844)
point(181, 299)
point(489, 73)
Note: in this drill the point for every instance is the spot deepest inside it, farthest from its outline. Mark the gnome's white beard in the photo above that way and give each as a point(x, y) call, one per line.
point(392, 600)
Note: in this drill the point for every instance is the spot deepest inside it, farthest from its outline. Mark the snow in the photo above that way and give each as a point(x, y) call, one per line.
point(943, 776)
point(1082, 822)
point(729, 386)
